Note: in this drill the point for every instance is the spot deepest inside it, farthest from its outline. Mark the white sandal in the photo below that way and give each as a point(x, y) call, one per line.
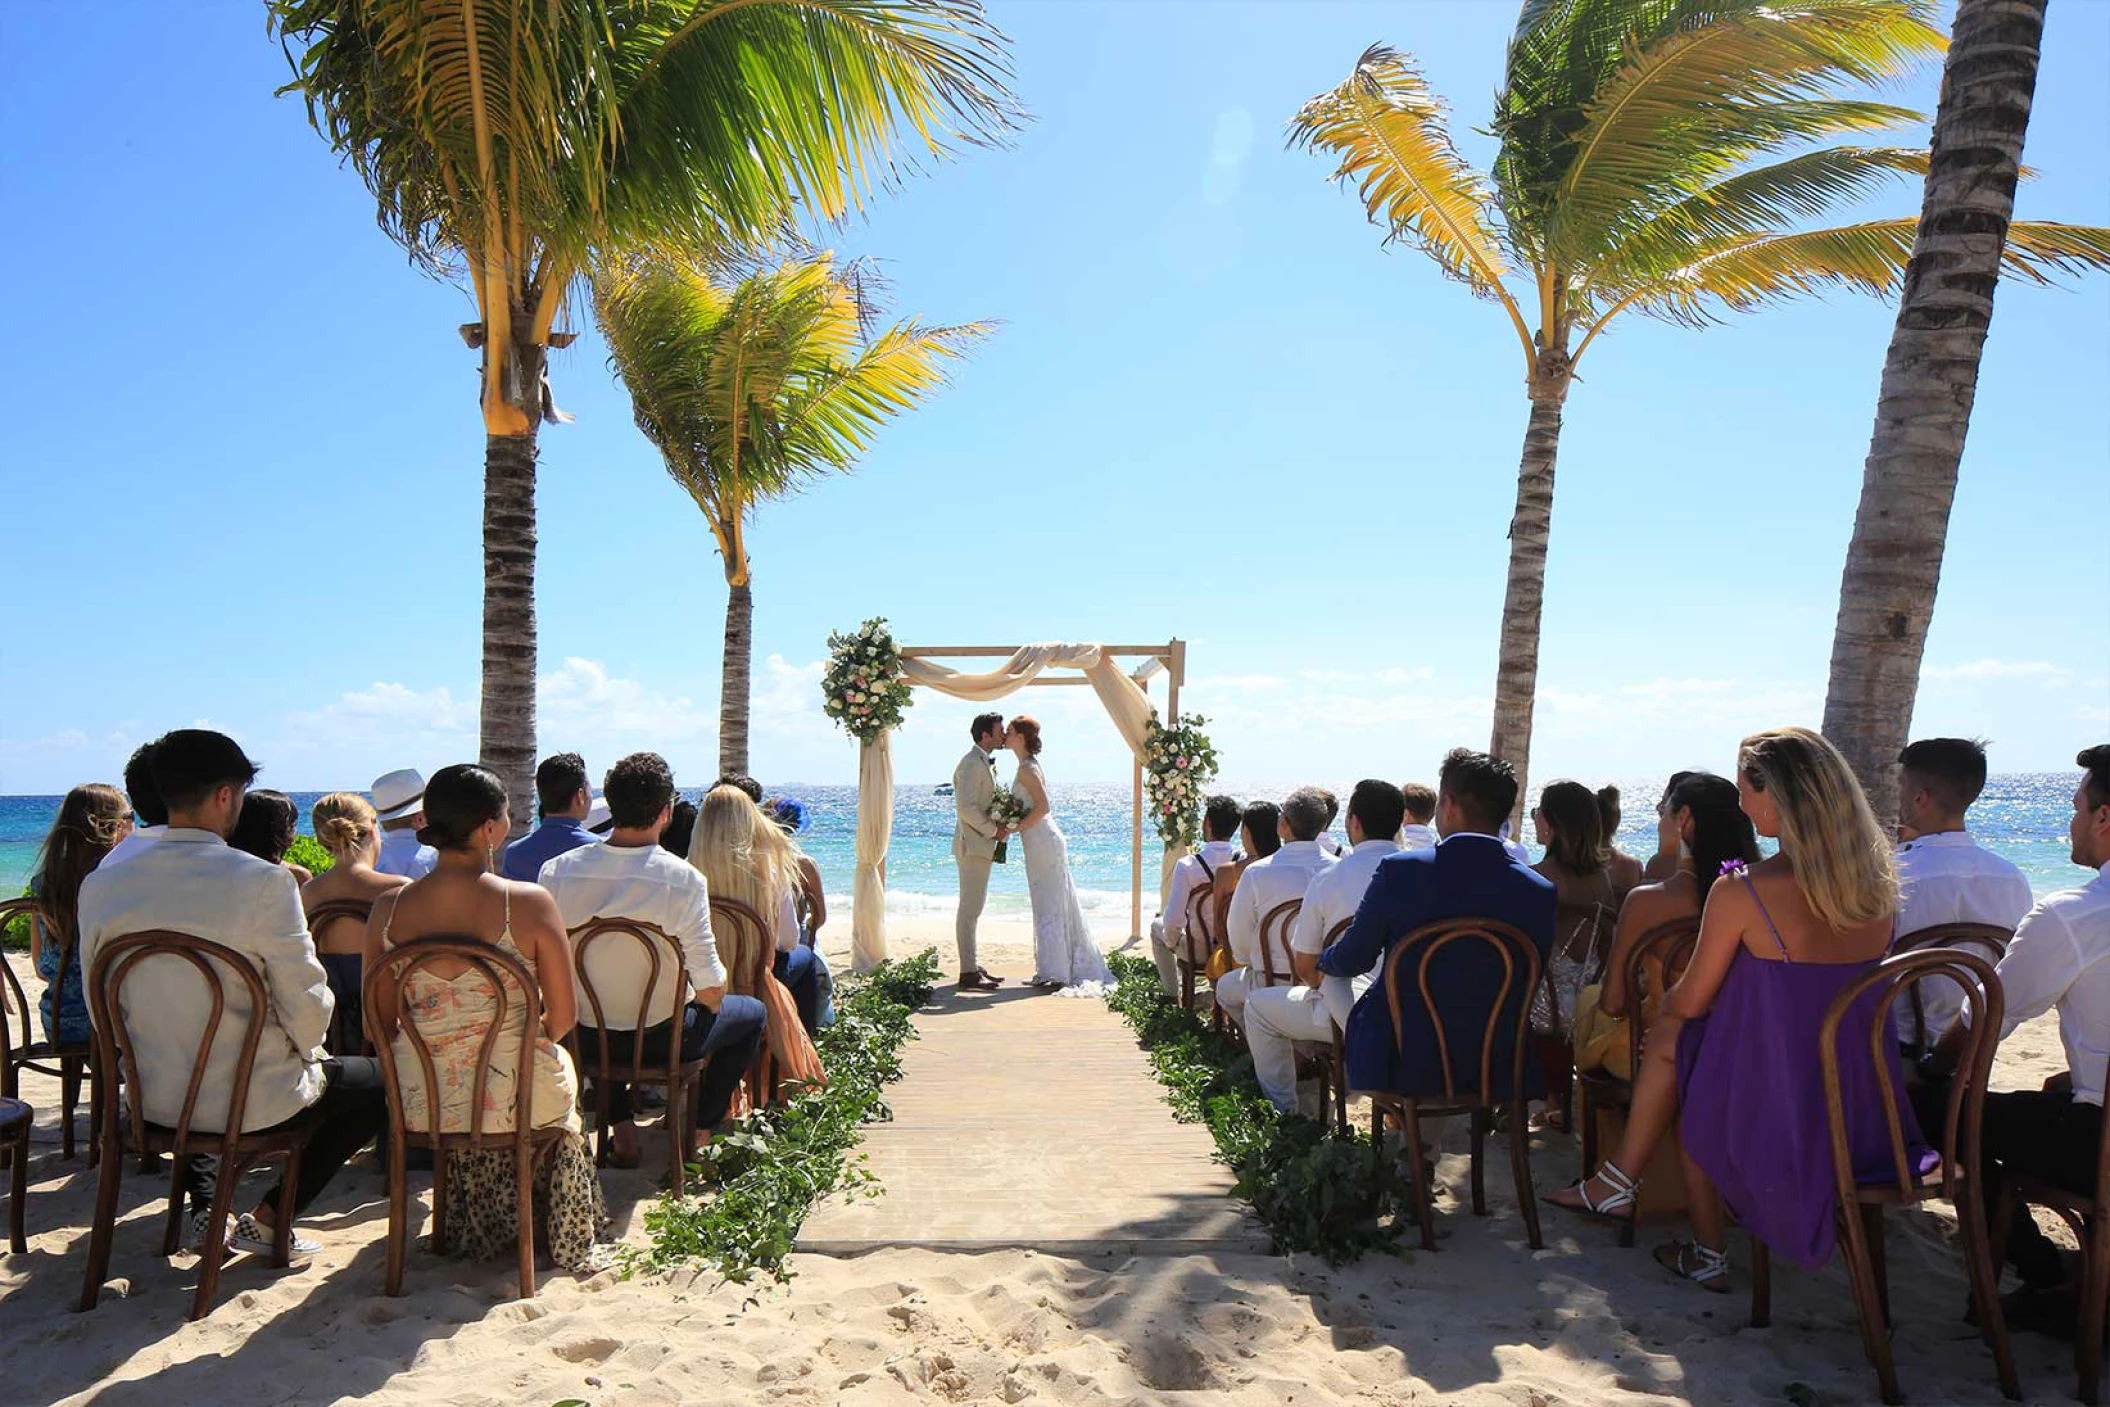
point(1617, 1207)
point(1705, 1267)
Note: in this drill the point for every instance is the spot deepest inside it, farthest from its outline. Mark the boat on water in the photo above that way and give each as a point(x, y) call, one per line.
point(942, 789)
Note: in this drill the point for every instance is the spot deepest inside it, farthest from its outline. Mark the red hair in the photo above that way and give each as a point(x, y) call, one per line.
point(1029, 728)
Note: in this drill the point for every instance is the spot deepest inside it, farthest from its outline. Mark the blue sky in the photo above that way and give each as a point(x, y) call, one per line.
point(243, 458)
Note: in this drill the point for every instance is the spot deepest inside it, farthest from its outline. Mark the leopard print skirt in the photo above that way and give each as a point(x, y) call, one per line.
point(570, 1215)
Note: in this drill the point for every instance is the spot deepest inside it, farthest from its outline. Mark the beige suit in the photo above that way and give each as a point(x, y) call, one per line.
point(973, 846)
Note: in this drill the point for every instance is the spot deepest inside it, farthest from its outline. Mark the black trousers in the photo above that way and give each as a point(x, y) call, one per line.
point(2042, 1133)
point(352, 1113)
point(729, 1036)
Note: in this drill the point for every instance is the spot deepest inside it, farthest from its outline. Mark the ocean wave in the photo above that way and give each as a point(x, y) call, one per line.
point(910, 903)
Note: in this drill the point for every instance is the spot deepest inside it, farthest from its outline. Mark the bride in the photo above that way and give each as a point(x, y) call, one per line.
point(1064, 955)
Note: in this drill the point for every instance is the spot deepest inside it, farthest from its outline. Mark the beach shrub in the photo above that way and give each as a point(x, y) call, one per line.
point(15, 937)
point(308, 853)
point(761, 1178)
point(1317, 1190)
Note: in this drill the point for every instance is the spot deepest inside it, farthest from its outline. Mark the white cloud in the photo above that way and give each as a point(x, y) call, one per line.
point(1976, 670)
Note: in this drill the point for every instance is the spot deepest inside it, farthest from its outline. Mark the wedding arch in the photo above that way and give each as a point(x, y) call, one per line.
point(1125, 693)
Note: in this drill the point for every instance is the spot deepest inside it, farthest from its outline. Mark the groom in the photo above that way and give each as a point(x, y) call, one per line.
point(974, 841)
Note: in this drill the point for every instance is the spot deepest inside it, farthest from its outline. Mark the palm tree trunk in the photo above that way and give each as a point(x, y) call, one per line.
point(734, 685)
point(1530, 529)
point(507, 744)
point(1930, 378)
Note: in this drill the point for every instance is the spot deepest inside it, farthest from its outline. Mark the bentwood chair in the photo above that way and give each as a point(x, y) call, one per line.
point(1276, 968)
point(1957, 1180)
point(15, 1121)
point(239, 1004)
point(666, 987)
point(347, 1035)
point(1665, 950)
point(1330, 1061)
point(1505, 1017)
point(67, 1062)
point(740, 929)
point(389, 1012)
point(1988, 940)
point(1196, 939)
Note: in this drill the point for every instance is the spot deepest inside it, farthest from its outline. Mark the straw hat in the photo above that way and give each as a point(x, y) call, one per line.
point(399, 794)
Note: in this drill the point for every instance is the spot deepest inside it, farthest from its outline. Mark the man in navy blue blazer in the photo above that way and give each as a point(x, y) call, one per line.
point(1467, 875)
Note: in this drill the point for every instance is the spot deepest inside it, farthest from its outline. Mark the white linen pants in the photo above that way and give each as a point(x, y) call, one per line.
point(1275, 1018)
point(974, 893)
point(1231, 992)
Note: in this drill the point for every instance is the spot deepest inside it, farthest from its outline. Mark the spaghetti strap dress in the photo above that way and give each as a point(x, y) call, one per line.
point(1751, 1097)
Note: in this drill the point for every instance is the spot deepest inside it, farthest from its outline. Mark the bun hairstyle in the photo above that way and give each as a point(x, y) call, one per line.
point(458, 800)
point(1608, 812)
point(345, 824)
point(1028, 728)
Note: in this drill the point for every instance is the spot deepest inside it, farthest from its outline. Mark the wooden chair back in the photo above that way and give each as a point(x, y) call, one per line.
point(1510, 1009)
point(1197, 924)
point(1671, 946)
point(752, 938)
point(1990, 940)
point(1891, 979)
point(343, 1038)
point(510, 982)
point(14, 1001)
point(1275, 929)
point(664, 961)
point(219, 967)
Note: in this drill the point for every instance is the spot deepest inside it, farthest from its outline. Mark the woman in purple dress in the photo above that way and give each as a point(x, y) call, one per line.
point(1734, 1056)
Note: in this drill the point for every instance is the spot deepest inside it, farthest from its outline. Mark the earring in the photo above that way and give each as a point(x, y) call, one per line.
point(490, 857)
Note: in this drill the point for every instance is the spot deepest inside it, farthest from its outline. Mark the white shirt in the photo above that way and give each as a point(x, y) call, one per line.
point(1281, 877)
point(649, 885)
point(1187, 874)
point(1331, 844)
point(1949, 878)
point(192, 881)
point(140, 838)
point(1335, 893)
point(1416, 836)
point(401, 854)
point(2061, 957)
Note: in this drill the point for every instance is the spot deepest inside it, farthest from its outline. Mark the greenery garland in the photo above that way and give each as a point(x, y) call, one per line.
point(763, 1176)
point(1178, 764)
point(863, 689)
point(1317, 1190)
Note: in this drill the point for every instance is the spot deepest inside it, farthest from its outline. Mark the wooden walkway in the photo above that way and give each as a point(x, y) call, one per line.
point(1032, 1120)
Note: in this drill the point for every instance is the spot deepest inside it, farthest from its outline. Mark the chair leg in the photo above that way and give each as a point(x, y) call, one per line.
point(1984, 1273)
point(214, 1251)
point(288, 1197)
point(105, 1225)
point(398, 1214)
point(680, 1108)
point(1586, 1121)
point(1868, 1300)
point(600, 1122)
point(18, 1194)
point(172, 1232)
point(2095, 1301)
point(1520, 1166)
point(96, 1085)
point(69, 1101)
point(1761, 1285)
point(1878, 1258)
point(1377, 1153)
point(1477, 1123)
point(439, 1200)
point(524, 1212)
point(1424, 1197)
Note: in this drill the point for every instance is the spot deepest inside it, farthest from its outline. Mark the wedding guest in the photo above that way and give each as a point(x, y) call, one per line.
point(150, 819)
point(744, 857)
point(1734, 1057)
point(192, 881)
point(1168, 936)
point(1469, 874)
point(346, 826)
point(742, 783)
point(2059, 959)
point(1705, 814)
point(266, 828)
point(811, 904)
point(681, 829)
point(566, 801)
point(1419, 832)
point(1266, 883)
point(633, 876)
point(1626, 870)
point(466, 819)
point(1664, 863)
point(93, 820)
point(1327, 841)
point(1568, 823)
point(397, 797)
point(1946, 876)
point(1259, 836)
point(1312, 1010)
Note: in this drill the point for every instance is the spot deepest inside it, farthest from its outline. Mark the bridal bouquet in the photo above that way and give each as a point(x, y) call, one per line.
point(1007, 808)
point(863, 689)
point(1178, 764)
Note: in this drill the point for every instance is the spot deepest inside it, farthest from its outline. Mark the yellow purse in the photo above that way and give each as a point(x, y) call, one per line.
point(1220, 964)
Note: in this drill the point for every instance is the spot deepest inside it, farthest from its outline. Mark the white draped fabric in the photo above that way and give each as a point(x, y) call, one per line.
point(1125, 703)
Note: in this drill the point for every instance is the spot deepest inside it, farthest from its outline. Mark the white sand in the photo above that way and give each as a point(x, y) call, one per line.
point(1484, 1320)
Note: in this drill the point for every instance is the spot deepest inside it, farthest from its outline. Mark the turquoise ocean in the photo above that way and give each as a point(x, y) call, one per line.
point(2023, 816)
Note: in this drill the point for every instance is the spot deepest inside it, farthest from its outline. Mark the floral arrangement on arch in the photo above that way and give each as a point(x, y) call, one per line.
point(863, 688)
point(1178, 764)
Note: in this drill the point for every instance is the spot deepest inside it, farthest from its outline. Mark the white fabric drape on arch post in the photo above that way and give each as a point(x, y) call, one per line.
point(1125, 702)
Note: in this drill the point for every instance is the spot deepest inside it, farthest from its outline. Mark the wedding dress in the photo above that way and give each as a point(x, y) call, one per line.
point(1063, 950)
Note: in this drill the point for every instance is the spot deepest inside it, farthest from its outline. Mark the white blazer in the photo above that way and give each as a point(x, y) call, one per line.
point(193, 882)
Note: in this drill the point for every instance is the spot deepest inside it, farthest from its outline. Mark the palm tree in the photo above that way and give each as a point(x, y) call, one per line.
point(751, 388)
point(1654, 156)
point(1930, 378)
point(512, 143)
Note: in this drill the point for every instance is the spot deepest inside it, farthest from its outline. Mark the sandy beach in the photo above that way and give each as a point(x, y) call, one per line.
point(1484, 1320)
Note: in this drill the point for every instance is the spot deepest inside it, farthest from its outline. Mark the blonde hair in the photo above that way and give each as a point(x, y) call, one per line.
point(345, 823)
point(1844, 865)
point(743, 856)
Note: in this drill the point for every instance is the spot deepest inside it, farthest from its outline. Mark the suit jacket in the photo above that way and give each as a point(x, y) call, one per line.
point(1466, 876)
point(973, 788)
point(194, 882)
